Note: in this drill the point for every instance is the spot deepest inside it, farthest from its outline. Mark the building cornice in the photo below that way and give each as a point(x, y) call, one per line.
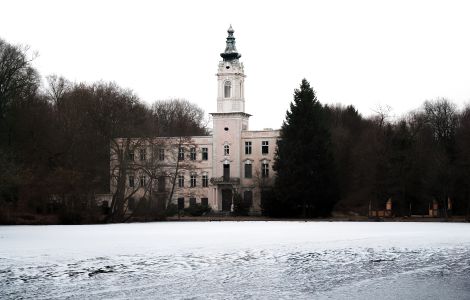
point(230, 114)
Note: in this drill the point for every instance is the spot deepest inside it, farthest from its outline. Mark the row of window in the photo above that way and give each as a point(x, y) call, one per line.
point(192, 152)
point(204, 180)
point(193, 181)
point(264, 147)
point(142, 181)
point(248, 148)
point(192, 202)
point(249, 170)
point(161, 154)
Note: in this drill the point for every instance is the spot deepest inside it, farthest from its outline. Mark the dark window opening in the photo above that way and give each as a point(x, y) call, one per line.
point(226, 172)
point(265, 147)
point(180, 203)
point(248, 171)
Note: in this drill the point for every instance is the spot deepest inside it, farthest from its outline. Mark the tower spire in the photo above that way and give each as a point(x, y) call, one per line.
point(230, 52)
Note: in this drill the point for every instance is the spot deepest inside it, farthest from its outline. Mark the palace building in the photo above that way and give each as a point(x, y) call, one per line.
point(210, 169)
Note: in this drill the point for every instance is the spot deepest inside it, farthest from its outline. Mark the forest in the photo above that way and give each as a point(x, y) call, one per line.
point(55, 148)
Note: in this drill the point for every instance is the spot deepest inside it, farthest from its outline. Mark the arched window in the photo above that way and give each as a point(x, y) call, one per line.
point(226, 150)
point(227, 89)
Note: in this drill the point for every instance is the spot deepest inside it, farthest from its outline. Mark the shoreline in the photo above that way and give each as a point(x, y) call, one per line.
point(53, 220)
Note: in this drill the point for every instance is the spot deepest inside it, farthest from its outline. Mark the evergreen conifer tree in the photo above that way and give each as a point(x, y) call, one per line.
point(306, 184)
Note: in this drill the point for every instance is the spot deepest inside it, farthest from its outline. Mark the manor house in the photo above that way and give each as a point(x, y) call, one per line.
point(231, 160)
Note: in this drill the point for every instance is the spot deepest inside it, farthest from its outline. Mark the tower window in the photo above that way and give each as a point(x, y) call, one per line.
point(227, 89)
point(226, 150)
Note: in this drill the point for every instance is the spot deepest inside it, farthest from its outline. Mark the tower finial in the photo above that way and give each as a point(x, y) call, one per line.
point(230, 52)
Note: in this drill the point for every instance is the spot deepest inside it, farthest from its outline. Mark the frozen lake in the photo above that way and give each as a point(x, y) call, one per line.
point(236, 260)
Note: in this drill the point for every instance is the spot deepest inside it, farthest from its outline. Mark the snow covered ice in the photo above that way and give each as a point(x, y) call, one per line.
point(236, 260)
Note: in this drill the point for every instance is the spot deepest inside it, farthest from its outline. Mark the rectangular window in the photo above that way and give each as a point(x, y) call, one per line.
point(264, 170)
point(205, 154)
point(142, 181)
point(248, 171)
point(205, 181)
point(205, 202)
point(181, 153)
point(180, 203)
point(264, 147)
point(192, 153)
point(131, 181)
point(226, 150)
point(130, 155)
point(142, 154)
point(248, 198)
point(180, 181)
point(247, 147)
point(193, 180)
point(192, 201)
point(161, 154)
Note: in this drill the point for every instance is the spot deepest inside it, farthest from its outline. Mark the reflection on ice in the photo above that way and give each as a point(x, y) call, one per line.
point(236, 260)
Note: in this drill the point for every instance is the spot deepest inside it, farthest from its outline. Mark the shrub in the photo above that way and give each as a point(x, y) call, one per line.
point(197, 210)
point(240, 207)
point(171, 210)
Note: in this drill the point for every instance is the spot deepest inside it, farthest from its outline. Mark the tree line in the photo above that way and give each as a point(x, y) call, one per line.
point(55, 138)
point(332, 158)
point(56, 141)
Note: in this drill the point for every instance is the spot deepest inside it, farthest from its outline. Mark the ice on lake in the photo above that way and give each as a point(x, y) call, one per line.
point(236, 260)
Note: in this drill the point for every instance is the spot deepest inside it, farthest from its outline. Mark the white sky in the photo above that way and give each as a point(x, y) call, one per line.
point(365, 53)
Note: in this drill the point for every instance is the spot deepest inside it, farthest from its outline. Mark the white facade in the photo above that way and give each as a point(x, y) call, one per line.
point(237, 160)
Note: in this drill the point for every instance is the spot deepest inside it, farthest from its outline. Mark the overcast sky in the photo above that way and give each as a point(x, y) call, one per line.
point(365, 53)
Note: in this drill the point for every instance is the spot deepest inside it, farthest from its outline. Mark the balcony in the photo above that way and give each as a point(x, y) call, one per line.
point(224, 180)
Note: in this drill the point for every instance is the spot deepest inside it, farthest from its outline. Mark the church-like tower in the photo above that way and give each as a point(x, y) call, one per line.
point(229, 122)
point(230, 78)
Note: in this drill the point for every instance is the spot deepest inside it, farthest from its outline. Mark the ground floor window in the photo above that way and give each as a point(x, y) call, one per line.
point(180, 203)
point(192, 201)
point(205, 201)
point(248, 198)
